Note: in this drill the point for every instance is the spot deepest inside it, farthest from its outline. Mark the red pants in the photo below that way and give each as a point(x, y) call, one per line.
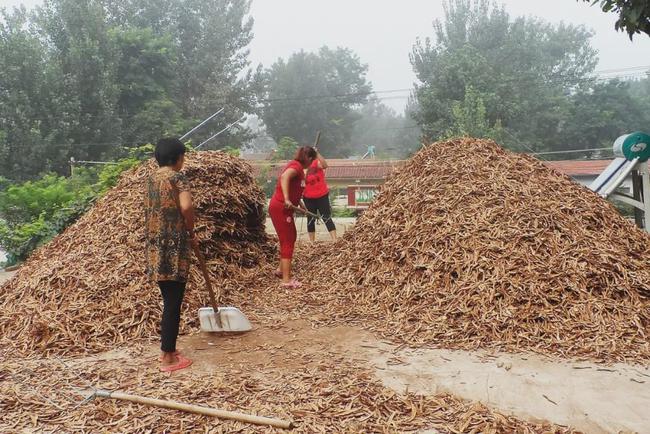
point(285, 227)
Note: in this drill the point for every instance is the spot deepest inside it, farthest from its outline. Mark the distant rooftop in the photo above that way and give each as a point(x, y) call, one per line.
point(379, 169)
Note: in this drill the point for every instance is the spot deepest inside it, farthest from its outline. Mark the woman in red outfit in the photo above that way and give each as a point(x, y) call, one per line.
point(288, 193)
point(317, 198)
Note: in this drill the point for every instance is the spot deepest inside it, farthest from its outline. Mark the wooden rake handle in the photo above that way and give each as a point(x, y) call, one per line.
point(190, 408)
point(317, 140)
point(305, 212)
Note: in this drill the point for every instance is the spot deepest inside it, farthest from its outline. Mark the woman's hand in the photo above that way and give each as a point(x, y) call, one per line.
point(288, 204)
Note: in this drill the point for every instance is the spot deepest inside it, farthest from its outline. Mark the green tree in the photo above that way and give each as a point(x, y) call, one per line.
point(146, 78)
point(287, 147)
point(24, 97)
point(640, 90)
point(79, 78)
point(313, 92)
point(212, 68)
point(29, 200)
point(469, 118)
point(392, 135)
point(33, 212)
point(521, 68)
point(633, 15)
point(84, 89)
point(602, 112)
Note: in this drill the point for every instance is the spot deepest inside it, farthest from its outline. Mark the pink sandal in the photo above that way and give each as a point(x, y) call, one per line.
point(181, 364)
point(293, 284)
point(176, 353)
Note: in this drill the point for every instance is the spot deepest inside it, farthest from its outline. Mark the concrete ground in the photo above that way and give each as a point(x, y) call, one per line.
point(5, 275)
point(591, 398)
point(343, 224)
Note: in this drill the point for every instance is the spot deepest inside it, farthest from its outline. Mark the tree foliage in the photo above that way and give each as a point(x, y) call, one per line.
point(393, 135)
point(469, 118)
point(287, 147)
point(82, 78)
point(32, 212)
point(521, 79)
point(633, 15)
point(312, 92)
point(210, 70)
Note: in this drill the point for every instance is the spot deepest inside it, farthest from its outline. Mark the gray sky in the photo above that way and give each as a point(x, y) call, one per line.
point(383, 32)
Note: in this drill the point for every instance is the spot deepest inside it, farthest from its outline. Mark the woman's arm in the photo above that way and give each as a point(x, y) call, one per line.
point(322, 163)
point(187, 210)
point(284, 185)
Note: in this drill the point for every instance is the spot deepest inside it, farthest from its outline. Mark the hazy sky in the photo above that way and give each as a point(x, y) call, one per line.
point(383, 32)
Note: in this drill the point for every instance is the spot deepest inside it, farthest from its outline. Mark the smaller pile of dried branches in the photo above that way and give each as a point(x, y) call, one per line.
point(87, 290)
point(471, 246)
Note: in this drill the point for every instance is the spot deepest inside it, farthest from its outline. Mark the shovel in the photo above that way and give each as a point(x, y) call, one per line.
point(219, 319)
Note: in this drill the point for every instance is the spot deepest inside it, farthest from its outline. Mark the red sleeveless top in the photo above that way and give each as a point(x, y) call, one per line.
point(296, 184)
point(315, 185)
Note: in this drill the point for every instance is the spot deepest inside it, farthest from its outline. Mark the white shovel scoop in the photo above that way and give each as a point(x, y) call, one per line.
point(226, 318)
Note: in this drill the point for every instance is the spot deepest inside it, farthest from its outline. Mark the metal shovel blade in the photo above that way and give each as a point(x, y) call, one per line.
point(227, 319)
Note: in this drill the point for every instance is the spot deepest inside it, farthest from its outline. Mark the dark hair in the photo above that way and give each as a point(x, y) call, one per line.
point(168, 151)
point(304, 154)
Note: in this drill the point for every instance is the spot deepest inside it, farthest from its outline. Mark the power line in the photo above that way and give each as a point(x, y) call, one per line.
point(222, 131)
point(646, 68)
point(522, 143)
point(317, 100)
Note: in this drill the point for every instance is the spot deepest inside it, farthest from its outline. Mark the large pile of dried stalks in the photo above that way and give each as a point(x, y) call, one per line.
point(87, 289)
point(471, 246)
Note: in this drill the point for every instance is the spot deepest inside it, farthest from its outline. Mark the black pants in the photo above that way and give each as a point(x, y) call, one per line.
point(172, 294)
point(320, 206)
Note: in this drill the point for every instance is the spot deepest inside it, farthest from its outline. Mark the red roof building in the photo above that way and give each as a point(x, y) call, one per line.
point(368, 171)
point(358, 179)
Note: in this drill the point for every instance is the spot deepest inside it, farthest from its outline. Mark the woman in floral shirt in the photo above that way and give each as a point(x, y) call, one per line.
point(169, 237)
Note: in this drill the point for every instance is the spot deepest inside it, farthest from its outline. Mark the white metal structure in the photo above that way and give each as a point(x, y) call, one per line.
point(632, 152)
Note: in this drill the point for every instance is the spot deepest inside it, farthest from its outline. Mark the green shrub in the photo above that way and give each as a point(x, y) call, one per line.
point(343, 212)
point(19, 240)
point(287, 147)
point(33, 212)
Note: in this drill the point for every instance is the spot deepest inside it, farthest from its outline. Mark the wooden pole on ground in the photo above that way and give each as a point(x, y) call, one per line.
point(196, 409)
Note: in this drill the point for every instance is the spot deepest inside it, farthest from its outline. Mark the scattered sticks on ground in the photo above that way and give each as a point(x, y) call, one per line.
point(467, 246)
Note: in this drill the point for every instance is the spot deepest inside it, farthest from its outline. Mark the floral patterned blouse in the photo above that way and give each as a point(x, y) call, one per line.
point(166, 237)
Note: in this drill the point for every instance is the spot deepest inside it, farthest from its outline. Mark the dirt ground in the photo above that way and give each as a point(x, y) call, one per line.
point(588, 397)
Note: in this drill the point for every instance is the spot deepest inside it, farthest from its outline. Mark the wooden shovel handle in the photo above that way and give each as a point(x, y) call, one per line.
point(206, 276)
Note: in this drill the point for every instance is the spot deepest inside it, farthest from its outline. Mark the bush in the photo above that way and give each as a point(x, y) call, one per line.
point(33, 212)
point(263, 181)
point(343, 212)
point(287, 147)
point(31, 199)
